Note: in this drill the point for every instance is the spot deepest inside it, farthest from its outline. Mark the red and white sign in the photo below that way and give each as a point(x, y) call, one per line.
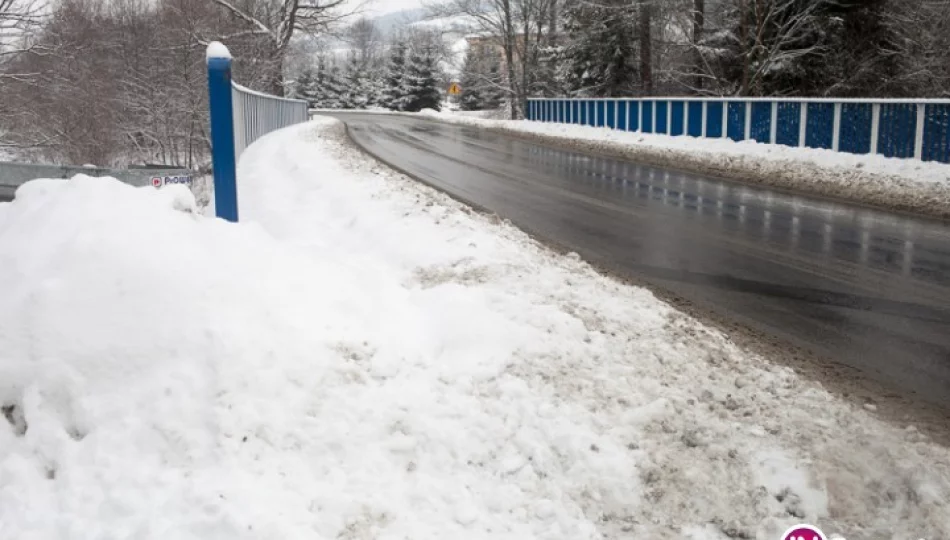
point(159, 181)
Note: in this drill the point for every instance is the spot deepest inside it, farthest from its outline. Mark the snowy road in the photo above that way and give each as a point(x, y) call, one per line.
point(363, 357)
point(864, 288)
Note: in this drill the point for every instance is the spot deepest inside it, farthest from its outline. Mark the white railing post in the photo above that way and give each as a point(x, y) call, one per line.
point(803, 124)
point(836, 129)
point(875, 126)
point(773, 132)
point(748, 121)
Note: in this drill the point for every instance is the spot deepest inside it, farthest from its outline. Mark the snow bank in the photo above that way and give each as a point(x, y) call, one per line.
point(363, 357)
point(895, 184)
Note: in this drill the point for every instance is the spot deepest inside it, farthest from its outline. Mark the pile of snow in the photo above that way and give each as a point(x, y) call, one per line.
point(363, 357)
point(890, 183)
point(491, 114)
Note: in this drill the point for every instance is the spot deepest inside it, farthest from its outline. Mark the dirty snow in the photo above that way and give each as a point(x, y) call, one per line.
point(889, 183)
point(363, 357)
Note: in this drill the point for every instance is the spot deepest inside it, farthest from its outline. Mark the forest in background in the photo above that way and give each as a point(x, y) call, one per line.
point(113, 82)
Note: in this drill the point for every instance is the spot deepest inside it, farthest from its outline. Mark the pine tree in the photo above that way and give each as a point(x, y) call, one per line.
point(375, 88)
point(601, 51)
point(422, 81)
point(472, 97)
point(352, 96)
point(318, 93)
point(362, 86)
point(482, 80)
point(494, 83)
point(332, 93)
point(305, 87)
point(394, 96)
point(842, 53)
point(805, 48)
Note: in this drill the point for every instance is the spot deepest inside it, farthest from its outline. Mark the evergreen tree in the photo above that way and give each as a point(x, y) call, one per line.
point(482, 82)
point(376, 88)
point(422, 81)
point(806, 48)
point(351, 96)
point(473, 99)
point(494, 82)
point(601, 52)
point(305, 87)
point(854, 54)
point(395, 95)
point(332, 89)
point(361, 87)
point(549, 79)
point(318, 93)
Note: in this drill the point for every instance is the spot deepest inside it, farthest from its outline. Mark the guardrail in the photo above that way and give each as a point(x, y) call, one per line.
point(239, 117)
point(257, 114)
point(917, 129)
point(13, 175)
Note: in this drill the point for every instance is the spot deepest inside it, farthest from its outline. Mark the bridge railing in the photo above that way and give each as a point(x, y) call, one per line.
point(239, 116)
point(918, 129)
point(257, 114)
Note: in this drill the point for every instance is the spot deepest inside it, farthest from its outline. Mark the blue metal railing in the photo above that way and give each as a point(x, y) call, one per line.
point(900, 128)
point(239, 117)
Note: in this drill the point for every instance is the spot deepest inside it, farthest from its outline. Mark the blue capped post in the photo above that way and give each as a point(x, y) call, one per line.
point(222, 132)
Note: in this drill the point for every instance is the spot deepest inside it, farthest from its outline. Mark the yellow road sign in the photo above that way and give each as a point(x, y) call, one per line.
point(455, 89)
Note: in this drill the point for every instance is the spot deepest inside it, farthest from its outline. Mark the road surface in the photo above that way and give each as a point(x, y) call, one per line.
point(867, 289)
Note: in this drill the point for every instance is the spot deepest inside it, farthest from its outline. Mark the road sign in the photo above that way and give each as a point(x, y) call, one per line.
point(455, 89)
point(159, 181)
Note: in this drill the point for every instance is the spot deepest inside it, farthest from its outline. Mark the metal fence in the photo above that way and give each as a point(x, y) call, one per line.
point(13, 175)
point(238, 118)
point(917, 129)
point(257, 114)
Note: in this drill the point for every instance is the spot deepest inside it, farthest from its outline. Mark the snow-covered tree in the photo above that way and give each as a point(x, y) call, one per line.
point(305, 87)
point(332, 87)
point(394, 95)
point(361, 88)
point(601, 53)
point(422, 81)
point(482, 81)
point(276, 22)
point(520, 28)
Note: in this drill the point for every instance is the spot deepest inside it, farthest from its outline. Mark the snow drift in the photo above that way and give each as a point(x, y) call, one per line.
point(363, 357)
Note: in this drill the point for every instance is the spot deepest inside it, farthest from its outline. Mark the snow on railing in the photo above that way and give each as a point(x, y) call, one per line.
point(902, 128)
point(239, 117)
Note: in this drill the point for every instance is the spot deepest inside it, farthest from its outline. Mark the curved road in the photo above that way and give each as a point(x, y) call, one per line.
point(867, 289)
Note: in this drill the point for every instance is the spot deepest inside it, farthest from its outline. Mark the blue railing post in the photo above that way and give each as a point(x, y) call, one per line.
point(222, 132)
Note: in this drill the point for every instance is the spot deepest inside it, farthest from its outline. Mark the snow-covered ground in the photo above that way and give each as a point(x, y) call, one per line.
point(890, 183)
point(362, 357)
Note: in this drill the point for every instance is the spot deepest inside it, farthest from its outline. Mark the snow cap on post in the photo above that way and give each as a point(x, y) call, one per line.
point(216, 49)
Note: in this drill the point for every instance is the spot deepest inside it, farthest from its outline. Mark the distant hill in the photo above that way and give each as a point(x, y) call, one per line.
point(391, 22)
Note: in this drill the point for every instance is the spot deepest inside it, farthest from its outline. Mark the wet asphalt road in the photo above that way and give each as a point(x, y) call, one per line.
point(867, 289)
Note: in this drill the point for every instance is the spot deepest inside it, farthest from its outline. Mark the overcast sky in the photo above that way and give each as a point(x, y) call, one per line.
point(381, 7)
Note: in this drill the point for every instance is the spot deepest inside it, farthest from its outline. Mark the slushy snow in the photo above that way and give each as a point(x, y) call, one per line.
point(362, 357)
point(890, 183)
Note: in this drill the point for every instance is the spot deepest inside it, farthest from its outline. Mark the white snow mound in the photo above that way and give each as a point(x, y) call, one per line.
point(362, 357)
